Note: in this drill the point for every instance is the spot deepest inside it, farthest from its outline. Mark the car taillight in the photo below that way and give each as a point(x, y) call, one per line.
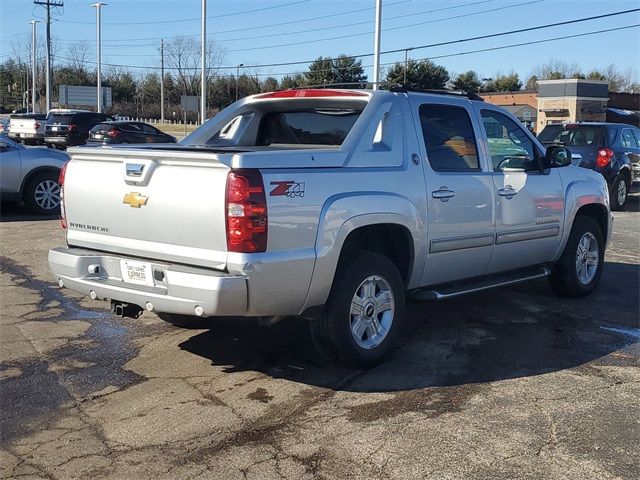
point(246, 212)
point(72, 126)
point(37, 125)
point(113, 133)
point(63, 213)
point(604, 157)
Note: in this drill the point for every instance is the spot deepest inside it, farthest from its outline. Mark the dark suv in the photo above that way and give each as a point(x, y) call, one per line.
point(613, 149)
point(71, 128)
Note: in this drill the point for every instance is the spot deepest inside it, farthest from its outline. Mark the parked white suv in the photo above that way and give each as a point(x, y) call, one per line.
point(331, 205)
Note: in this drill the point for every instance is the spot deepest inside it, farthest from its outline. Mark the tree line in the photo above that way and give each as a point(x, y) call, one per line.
point(138, 94)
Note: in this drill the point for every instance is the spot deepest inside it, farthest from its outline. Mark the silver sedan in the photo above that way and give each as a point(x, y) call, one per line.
point(31, 175)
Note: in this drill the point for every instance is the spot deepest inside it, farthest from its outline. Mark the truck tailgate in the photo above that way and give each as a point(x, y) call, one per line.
point(158, 204)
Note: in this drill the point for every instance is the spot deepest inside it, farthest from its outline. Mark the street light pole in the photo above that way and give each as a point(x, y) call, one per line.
point(203, 61)
point(33, 65)
point(376, 41)
point(98, 7)
point(406, 63)
point(238, 78)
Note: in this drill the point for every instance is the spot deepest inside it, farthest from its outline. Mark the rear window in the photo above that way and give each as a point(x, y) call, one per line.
point(311, 127)
point(36, 116)
point(573, 135)
point(102, 127)
point(61, 118)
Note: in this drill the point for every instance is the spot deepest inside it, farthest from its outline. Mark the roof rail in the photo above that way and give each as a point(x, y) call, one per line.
point(357, 85)
point(458, 93)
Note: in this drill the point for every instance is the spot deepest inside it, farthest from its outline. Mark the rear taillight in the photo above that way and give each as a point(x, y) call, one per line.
point(37, 125)
point(113, 133)
point(72, 126)
point(246, 211)
point(63, 213)
point(604, 157)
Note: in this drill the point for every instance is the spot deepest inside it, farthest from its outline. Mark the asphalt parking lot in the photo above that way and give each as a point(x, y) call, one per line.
point(513, 383)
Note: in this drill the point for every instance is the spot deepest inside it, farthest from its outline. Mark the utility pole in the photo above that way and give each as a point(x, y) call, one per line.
point(33, 65)
point(376, 42)
point(48, 4)
point(98, 6)
point(406, 63)
point(162, 80)
point(238, 78)
point(203, 61)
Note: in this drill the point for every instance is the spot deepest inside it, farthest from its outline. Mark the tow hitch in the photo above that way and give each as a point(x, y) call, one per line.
point(120, 309)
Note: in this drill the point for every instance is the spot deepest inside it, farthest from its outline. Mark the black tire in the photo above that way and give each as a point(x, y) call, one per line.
point(620, 184)
point(332, 331)
point(564, 278)
point(36, 187)
point(183, 321)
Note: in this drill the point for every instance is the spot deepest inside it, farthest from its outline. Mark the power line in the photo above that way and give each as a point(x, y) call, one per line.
point(294, 21)
point(351, 24)
point(418, 47)
point(244, 12)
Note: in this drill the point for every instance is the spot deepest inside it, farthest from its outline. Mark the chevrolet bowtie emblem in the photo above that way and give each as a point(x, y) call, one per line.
point(135, 199)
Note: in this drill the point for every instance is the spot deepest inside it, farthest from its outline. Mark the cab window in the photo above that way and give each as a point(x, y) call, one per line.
point(449, 138)
point(509, 146)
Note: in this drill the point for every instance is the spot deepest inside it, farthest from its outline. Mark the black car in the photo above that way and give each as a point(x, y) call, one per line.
point(613, 149)
point(71, 128)
point(108, 133)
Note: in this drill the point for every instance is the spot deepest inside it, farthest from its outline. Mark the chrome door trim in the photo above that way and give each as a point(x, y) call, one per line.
point(527, 234)
point(460, 243)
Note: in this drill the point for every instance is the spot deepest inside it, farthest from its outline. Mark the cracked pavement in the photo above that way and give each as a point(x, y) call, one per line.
point(510, 383)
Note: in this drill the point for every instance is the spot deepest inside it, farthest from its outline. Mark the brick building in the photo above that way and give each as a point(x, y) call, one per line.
point(570, 100)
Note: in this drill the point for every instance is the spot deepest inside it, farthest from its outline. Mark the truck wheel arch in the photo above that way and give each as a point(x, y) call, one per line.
point(583, 202)
point(397, 227)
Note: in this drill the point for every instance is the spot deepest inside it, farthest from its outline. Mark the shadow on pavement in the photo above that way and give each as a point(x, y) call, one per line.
point(18, 212)
point(505, 333)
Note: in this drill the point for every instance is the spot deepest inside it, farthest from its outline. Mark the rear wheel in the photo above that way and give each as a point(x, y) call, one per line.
point(578, 271)
point(364, 314)
point(42, 193)
point(619, 193)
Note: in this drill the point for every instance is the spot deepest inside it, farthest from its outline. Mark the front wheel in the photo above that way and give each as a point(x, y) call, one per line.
point(578, 271)
point(619, 193)
point(364, 314)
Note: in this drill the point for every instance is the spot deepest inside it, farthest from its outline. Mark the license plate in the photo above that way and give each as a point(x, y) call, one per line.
point(136, 272)
point(54, 129)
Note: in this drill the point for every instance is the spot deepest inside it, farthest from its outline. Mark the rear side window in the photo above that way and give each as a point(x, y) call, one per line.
point(449, 138)
point(574, 135)
point(308, 127)
point(628, 140)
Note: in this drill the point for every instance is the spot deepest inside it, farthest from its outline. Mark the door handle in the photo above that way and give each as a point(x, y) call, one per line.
point(507, 191)
point(443, 194)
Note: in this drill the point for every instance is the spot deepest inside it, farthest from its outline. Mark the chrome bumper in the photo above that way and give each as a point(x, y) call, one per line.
point(185, 290)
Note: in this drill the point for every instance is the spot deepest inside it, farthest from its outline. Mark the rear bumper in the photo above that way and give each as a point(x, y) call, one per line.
point(182, 290)
point(26, 135)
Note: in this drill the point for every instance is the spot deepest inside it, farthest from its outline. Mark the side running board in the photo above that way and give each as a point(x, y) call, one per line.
point(462, 288)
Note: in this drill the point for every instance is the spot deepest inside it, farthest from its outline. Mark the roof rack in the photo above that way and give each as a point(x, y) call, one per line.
point(357, 85)
point(458, 93)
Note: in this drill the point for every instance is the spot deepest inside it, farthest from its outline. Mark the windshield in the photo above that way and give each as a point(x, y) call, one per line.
point(573, 135)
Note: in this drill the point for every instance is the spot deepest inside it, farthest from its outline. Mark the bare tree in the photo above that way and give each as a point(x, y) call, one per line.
point(182, 58)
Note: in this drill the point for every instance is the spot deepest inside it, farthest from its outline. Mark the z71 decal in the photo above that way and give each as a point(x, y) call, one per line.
point(288, 188)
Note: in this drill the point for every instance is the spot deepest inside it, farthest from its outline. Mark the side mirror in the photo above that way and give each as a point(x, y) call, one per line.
point(557, 156)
